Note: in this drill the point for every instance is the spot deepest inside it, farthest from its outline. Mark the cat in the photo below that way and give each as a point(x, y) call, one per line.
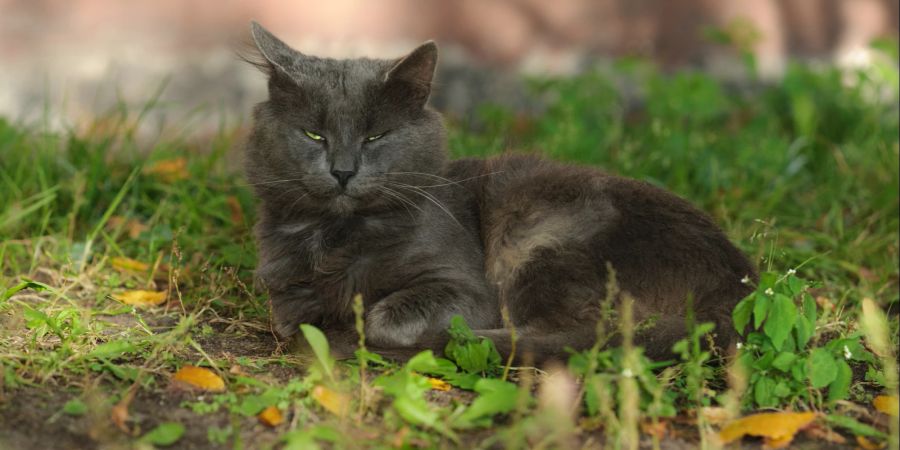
point(357, 196)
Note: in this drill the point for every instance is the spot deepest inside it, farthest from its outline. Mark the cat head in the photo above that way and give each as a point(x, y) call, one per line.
point(336, 135)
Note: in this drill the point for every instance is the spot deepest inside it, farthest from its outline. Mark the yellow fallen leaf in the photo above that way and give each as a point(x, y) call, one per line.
point(199, 377)
point(888, 404)
point(438, 385)
point(777, 429)
point(168, 169)
point(271, 416)
point(335, 402)
point(866, 444)
point(141, 298)
point(128, 264)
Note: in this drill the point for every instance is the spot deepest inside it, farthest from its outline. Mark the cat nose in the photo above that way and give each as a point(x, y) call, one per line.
point(343, 176)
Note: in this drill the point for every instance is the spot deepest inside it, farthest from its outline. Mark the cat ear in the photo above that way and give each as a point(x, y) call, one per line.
point(276, 53)
point(413, 73)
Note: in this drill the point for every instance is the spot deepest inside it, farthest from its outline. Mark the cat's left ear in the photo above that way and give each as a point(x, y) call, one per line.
point(413, 73)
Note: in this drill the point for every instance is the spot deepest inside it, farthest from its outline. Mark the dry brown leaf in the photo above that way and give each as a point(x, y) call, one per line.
point(119, 413)
point(335, 402)
point(438, 384)
point(141, 298)
point(134, 227)
point(659, 429)
point(271, 416)
point(869, 445)
point(715, 415)
point(816, 431)
point(128, 264)
point(237, 213)
point(778, 429)
point(888, 404)
point(824, 303)
point(200, 378)
point(168, 169)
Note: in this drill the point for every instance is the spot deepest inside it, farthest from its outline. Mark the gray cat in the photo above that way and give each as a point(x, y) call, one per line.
point(357, 197)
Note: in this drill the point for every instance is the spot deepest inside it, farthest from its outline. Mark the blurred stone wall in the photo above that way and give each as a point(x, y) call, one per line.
point(78, 58)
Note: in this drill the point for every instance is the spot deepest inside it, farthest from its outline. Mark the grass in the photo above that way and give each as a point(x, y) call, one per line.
point(802, 174)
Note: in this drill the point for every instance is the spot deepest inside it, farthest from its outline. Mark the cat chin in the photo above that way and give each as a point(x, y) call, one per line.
point(343, 205)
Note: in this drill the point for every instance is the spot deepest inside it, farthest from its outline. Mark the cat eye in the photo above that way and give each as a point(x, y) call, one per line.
point(375, 137)
point(313, 136)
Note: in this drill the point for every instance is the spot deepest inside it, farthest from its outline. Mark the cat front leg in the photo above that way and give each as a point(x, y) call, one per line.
point(291, 307)
point(410, 316)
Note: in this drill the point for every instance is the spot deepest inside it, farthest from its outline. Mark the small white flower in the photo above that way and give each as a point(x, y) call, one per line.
point(792, 271)
point(847, 353)
point(745, 280)
point(740, 345)
point(769, 291)
point(627, 373)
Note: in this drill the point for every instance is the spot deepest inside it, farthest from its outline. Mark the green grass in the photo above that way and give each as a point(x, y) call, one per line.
point(802, 174)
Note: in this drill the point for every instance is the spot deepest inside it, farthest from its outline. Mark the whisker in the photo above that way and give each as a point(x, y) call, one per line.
point(271, 182)
point(447, 181)
point(430, 198)
point(420, 174)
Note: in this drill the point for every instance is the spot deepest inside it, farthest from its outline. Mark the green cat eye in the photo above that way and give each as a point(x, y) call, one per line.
point(374, 138)
point(313, 136)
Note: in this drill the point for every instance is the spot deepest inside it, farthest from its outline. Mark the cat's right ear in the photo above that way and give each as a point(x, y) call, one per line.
point(275, 55)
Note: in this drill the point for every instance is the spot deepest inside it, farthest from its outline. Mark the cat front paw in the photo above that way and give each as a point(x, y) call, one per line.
point(389, 325)
point(293, 307)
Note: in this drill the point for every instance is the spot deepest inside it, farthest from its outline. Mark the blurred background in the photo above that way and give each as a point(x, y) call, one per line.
point(66, 60)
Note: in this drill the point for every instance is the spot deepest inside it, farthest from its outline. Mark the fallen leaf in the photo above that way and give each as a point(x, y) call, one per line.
point(271, 416)
point(438, 384)
point(658, 429)
point(888, 404)
point(335, 402)
point(824, 303)
point(234, 207)
point(816, 431)
point(128, 264)
point(777, 429)
point(869, 445)
point(133, 227)
point(199, 377)
point(168, 169)
point(119, 413)
point(715, 415)
point(141, 298)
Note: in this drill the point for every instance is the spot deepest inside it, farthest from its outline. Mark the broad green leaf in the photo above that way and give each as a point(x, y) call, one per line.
point(75, 407)
point(767, 280)
point(803, 330)
point(795, 284)
point(165, 434)
point(760, 309)
point(471, 353)
point(741, 314)
point(855, 427)
point(763, 392)
point(26, 284)
point(840, 387)
point(415, 411)
point(783, 361)
point(319, 345)
point(780, 321)
point(497, 397)
point(112, 349)
point(809, 308)
point(823, 369)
